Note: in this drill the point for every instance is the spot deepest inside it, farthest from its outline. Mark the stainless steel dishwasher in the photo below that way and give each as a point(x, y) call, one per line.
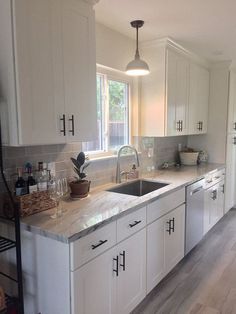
point(194, 214)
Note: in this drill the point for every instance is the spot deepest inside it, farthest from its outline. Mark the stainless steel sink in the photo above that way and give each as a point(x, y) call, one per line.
point(138, 187)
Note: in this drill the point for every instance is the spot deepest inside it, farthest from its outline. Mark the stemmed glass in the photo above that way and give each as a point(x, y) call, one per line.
point(54, 193)
point(57, 188)
point(63, 190)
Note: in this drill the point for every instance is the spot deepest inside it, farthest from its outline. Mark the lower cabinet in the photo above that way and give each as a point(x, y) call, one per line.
point(213, 205)
point(114, 282)
point(165, 245)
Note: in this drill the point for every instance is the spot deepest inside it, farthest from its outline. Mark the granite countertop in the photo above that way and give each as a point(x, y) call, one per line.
point(100, 207)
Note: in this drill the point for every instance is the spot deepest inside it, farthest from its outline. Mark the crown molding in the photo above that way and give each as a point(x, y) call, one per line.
point(92, 2)
point(168, 42)
point(227, 64)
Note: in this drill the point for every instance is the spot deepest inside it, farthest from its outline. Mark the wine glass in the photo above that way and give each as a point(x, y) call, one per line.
point(54, 189)
point(63, 187)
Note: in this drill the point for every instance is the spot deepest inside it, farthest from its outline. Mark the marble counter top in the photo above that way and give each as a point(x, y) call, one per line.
point(100, 207)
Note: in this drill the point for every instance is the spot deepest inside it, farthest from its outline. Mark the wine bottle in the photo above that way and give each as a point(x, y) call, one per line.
point(31, 182)
point(42, 177)
point(20, 185)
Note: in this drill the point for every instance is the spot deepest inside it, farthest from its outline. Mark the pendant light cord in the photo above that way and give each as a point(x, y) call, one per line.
point(137, 51)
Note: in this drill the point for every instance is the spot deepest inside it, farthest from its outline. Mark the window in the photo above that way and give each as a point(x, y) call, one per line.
point(112, 114)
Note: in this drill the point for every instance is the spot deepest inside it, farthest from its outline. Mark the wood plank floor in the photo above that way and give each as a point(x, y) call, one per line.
point(205, 281)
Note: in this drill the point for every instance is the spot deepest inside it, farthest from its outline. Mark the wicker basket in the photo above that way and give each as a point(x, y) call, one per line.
point(189, 158)
point(29, 204)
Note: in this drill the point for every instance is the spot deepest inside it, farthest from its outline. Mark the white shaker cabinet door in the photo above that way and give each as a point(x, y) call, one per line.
point(198, 99)
point(230, 177)
point(131, 283)
point(39, 75)
point(177, 77)
point(93, 286)
point(79, 62)
point(155, 253)
point(174, 240)
point(232, 103)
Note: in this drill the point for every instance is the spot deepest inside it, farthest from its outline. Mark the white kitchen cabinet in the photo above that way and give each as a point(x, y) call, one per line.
point(230, 184)
point(165, 91)
point(47, 71)
point(174, 239)
point(155, 252)
point(221, 199)
point(176, 93)
point(198, 99)
point(131, 282)
point(165, 245)
point(210, 208)
point(232, 103)
point(114, 282)
point(93, 286)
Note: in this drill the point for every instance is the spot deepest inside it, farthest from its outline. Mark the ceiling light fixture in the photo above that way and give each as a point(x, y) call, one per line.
point(137, 67)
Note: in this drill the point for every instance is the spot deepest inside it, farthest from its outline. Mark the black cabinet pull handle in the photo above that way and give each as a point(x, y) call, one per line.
point(181, 124)
point(169, 225)
point(223, 189)
point(178, 125)
point(172, 224)
point(101, 242)
point(63, 119)
point(116, 270)
point(123, 262)
point(198, 126)
point(72, 119)
point(201, 125)
point(135, 223)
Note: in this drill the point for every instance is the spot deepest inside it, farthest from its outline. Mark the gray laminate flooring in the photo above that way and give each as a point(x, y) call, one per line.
point(204, 282)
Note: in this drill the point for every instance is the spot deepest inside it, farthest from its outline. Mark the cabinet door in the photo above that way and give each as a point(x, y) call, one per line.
point(131, 283)
point(174, 241)
point(171, 86)
point(230, 178)
point(221, 198)
point(40, 101)
point(79, 62)
point(182, 93)
point(232, 103)
point(198, 99)
point(155, 252)
point(210, 208)
point(177, 87)
point(93, 286)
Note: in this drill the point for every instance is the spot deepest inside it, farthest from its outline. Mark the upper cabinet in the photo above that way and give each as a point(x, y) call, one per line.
point(174, 97)
point(232, 103)
point(198, 99)
point(47, 71)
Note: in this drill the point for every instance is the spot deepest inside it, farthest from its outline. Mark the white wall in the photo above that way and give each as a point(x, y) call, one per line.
point(214, 142)
point(113, 49)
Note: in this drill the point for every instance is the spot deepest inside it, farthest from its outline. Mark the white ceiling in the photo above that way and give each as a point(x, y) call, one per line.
point(207, 27)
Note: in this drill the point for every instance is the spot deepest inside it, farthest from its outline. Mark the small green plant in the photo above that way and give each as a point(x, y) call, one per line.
point(80, 164)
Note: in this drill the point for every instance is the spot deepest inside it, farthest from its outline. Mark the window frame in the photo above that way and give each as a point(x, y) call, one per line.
point(119, 76)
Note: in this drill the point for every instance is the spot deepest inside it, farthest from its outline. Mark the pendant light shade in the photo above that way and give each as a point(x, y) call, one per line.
point(137, 67)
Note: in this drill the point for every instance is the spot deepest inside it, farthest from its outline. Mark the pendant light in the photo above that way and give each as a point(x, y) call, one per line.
point(137, 67)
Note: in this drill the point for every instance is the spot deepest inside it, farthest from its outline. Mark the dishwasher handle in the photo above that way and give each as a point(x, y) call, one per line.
point(200, 188)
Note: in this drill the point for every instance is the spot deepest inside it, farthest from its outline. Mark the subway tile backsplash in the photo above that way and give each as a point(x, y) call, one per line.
point(154, 151)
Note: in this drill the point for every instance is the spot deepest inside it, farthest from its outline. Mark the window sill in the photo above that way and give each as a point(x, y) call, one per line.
point(106, 156)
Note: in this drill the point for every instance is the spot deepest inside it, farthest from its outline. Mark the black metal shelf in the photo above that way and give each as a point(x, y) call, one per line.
point(6, 244)
point(10, 302)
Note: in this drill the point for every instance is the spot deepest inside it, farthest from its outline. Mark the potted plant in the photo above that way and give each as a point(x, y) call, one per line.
point(80, 187)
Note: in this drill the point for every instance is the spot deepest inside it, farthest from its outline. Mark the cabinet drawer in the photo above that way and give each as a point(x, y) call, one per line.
point(215, 177)
point(163, 205)
point(131, 223)
point(84, 249)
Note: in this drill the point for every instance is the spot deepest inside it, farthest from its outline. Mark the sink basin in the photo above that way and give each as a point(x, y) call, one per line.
point(138, 187)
